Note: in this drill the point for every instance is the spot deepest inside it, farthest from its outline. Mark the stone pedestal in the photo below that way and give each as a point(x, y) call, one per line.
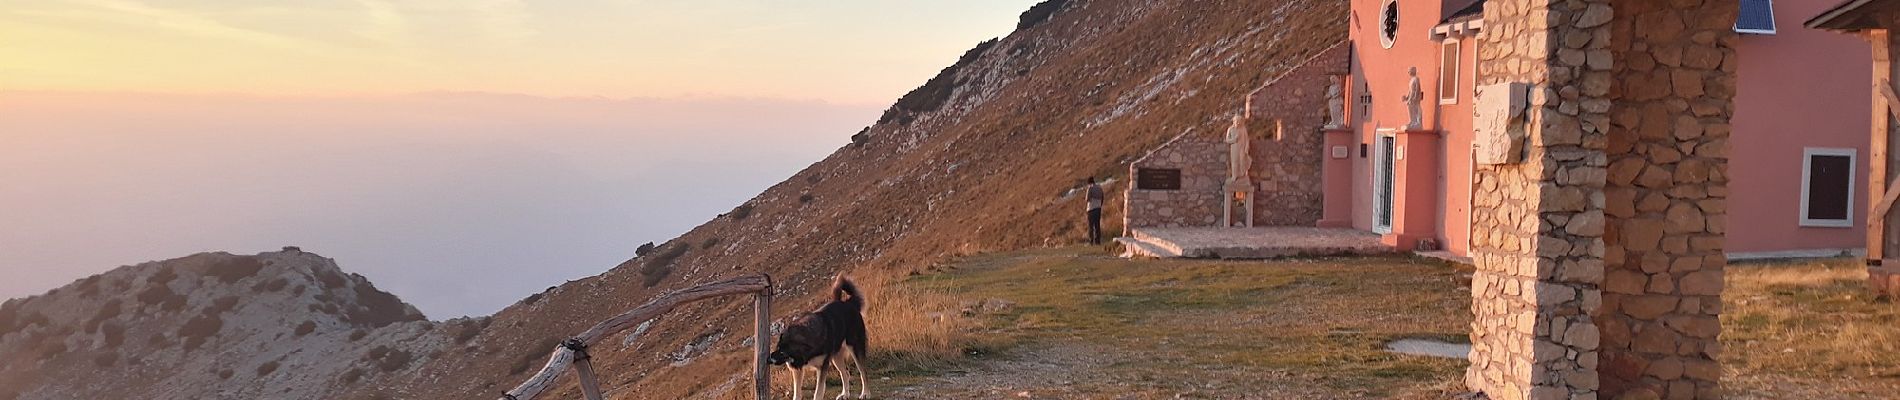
point(1336, 177)
point(1239, 194)
point(1415, 189)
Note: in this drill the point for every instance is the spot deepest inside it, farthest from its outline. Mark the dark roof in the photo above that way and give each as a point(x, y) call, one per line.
point(1460, 10)
point(1857, 15)
point(1757, 16)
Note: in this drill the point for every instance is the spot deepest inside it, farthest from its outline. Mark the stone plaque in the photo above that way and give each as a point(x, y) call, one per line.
point(1498, 108)
point(1157, 179)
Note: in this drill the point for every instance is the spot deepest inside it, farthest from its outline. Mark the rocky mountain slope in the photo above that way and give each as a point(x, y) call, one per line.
point(284, 324)
point(986, 156)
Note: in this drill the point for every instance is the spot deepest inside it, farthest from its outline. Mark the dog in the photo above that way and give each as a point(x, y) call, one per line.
point(818, 339)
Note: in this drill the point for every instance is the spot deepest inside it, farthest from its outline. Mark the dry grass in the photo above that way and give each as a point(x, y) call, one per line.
point(1792, 328)
point(1086, 326)
point(918, 329)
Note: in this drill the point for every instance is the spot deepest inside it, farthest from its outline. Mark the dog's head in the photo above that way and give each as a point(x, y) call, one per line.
point(796, 346)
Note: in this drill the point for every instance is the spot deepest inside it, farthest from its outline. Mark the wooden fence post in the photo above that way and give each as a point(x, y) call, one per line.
point(761, 341)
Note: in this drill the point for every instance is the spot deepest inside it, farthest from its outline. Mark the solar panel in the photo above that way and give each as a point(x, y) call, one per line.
point(1757, 17)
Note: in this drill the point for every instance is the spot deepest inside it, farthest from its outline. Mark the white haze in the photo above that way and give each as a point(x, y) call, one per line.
point(458, 203)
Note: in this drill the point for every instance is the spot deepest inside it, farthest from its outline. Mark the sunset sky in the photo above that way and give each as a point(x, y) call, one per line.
point(460, 153)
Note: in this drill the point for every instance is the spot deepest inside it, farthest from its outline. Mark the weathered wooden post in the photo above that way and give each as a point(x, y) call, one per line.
point(584, 364)
point(761, 341)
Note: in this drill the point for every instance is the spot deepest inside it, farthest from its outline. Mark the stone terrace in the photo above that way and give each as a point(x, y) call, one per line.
point(1250, 243)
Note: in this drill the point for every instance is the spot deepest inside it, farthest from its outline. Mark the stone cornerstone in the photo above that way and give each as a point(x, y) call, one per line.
point(1599, 256)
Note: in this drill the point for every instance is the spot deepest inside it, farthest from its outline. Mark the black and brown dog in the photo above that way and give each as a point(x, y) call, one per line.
point(816, 340)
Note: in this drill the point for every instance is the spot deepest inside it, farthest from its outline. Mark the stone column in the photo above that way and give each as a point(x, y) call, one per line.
point(1538, 225)
point(1667, 192)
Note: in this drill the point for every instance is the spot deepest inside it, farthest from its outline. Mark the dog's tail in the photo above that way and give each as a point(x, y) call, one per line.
point(843, 291)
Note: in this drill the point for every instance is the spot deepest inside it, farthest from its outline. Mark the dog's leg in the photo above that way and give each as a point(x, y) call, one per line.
point(844, 380)
point(864, 389)
point(818, 390)
point(795, 373)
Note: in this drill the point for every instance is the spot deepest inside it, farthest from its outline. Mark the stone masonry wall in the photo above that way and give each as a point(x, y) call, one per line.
point(1202, 158)
point(1286, 170)
point(1667, 194)
point(1537, 226)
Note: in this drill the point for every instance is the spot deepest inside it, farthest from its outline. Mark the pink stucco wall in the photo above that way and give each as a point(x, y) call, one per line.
point(1789, 98)
point(1798, 88)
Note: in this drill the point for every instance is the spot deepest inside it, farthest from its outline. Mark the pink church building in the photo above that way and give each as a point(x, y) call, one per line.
point(1796, 148)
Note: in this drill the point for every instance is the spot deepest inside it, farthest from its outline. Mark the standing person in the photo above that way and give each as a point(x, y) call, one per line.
point(1095, 212)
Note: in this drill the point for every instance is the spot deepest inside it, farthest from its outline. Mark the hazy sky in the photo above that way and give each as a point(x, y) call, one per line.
point(461, 154)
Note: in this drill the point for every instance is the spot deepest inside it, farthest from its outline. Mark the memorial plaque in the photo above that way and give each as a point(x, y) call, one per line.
point(1158, 179)
point(1498, 108)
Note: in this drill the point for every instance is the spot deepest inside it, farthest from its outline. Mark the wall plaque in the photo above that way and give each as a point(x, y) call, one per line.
point(1158, 179)
point(1498, 109)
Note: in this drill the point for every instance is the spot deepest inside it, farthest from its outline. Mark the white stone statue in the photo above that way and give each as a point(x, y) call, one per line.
point(1335, 105)
point(1240, 147)
point(1412, 99)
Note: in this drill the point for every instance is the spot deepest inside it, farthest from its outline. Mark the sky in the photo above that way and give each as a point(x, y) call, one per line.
point(461, 154)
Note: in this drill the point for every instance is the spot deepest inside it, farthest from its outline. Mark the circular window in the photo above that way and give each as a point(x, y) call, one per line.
point(1388, 23)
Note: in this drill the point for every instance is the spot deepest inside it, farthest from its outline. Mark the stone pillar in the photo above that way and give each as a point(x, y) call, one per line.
point(1538, 225)
point(1667, 192)
point(1415, 189)
point(1336, 178)
point(1600, 255)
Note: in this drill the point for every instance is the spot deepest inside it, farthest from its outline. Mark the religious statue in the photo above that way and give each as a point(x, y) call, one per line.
point(1412, 97)
point(1335, 105)
point(1241, 150)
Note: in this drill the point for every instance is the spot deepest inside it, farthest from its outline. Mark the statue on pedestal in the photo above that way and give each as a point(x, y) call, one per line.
point(1335, 105)
point(1240, 151)
point(1412, 99)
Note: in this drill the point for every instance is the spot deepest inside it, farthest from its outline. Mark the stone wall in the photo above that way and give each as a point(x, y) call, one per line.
point(1667, 196)
point(1202, 158)
point(1286, 114)
point(1599, 256)
point(1537, 226)
point(1286, 170)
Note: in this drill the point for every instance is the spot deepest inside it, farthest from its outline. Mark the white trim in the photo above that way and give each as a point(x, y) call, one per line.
point(1807, 164)
point(1457, 66)
point(1379, 181)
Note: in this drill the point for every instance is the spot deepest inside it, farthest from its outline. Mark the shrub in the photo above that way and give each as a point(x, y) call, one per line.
point(89, 286)
point(226, 373)
point(358, 334)
point(331, 280)
point(223, 305)
point(305, 328)
point(863, 137)
point(199, 328)
point(114, 335)
point(162, 277)
point(158, 341)
point(352, 376)
point(106, 311)
point(51, 347)
point(1039, 13)
point(467, 330)
point(266, 368)
point(235, 269)
point(709, 243)
point(105, 360)
point(741, 212)
point(388, 359)
point(661, 264)
point(934, 92)
point(643, 250)
point(377, 308)
point(805, 198)
point(270, 286)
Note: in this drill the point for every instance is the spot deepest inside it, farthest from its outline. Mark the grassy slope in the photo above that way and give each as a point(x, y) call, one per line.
point(1090, 326)
point(1031, 116)
point(1807, 330)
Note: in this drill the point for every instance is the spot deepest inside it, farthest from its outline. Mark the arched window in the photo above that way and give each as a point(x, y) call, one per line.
point(1389, 23)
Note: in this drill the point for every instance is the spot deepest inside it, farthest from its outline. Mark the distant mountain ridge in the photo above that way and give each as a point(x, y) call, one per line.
point(210, 325)
point(985, 156)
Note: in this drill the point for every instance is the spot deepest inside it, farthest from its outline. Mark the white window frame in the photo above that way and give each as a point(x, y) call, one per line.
point(1807, 166)
point(1448, 94)
point(1773, 23)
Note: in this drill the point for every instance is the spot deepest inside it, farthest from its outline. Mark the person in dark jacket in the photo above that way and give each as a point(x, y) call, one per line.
point(1095, 211)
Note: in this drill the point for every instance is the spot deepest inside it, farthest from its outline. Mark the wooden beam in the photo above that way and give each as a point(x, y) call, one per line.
point(1877, 177)
point(590, 387)
point(761, 346)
